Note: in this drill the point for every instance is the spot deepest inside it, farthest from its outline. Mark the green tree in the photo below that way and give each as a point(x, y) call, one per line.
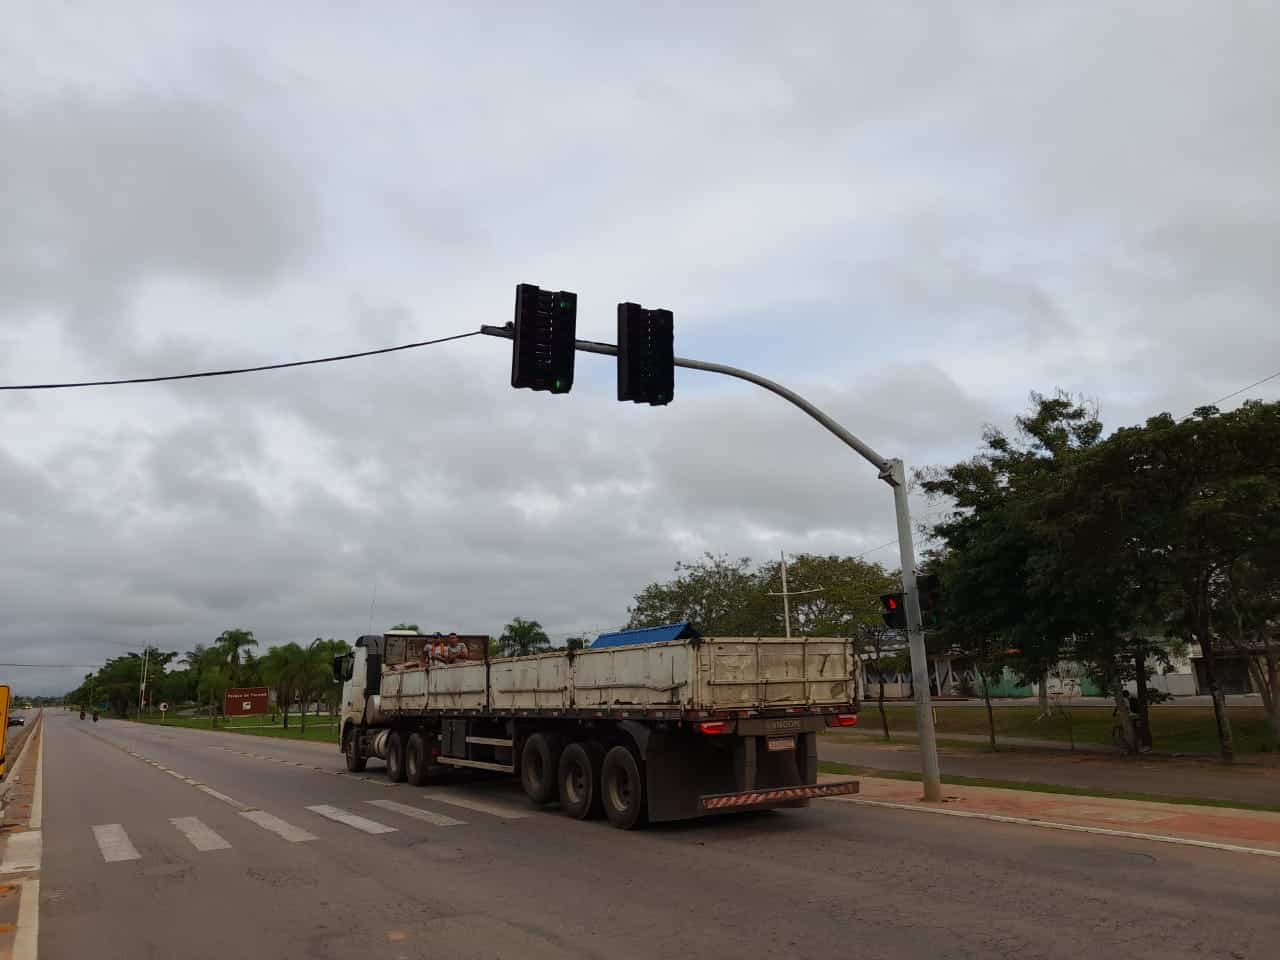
point(847, 596)
point(989, 549)
point(522, 637)
point(721, 597)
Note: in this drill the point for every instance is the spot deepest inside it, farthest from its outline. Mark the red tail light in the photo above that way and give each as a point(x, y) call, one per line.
point(843, 720)
point(715, 727)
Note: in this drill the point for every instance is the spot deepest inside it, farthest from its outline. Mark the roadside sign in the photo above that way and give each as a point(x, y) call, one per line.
point(4, 724)
point(164, 708)
point(247, 701)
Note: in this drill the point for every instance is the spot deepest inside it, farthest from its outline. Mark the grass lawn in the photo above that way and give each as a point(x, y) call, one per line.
point(844, 769)
point(318, 728)
point(1173, 729)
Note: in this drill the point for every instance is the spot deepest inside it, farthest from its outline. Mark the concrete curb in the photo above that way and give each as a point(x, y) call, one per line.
point(11, 775)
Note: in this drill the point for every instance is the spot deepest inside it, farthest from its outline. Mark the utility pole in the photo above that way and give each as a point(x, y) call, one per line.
point(142, 686)
point(786, 594)
point(892, 472)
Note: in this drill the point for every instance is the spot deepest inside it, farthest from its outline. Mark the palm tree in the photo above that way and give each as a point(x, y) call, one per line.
point(281, 668)
point(232, 642)
point(522, 637)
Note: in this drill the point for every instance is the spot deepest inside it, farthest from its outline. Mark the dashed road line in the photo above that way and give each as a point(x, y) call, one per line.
point(230, 801)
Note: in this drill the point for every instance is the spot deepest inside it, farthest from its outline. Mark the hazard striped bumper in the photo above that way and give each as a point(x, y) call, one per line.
point(761, 798)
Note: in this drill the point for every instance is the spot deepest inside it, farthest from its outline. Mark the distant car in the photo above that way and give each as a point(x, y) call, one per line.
point(17, 721)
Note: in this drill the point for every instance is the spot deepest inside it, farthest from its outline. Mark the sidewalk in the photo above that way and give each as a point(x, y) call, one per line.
point(1193, 778)
point(1242, 831)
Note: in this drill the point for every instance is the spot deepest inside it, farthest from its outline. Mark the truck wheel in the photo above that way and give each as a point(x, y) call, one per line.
point(395, 758)
point(622, 789)
point(580, 767)
point(539, 764)
point(415, 760)
point(351, 748)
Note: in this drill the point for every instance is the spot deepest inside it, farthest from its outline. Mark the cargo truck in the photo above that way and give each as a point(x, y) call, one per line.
point(637, 732)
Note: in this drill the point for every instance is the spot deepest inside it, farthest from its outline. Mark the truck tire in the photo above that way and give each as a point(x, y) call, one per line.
point(622, 789)
point(539, 766)
point(351, 749)
point(415, 760)
point(395, 758)
point(580, 767)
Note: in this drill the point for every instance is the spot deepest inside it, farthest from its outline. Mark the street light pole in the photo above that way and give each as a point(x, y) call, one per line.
point(891, 472)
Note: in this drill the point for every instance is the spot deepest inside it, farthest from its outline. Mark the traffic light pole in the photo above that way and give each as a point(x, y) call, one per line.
point(891, 472)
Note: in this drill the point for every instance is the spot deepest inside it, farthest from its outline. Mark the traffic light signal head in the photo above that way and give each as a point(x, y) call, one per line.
point(545, 336)
point(646, 355)
point(893, 610)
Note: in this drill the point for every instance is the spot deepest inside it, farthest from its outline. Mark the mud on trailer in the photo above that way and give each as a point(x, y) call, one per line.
point(653, 731)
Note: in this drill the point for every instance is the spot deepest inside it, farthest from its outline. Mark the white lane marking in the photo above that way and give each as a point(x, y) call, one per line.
point(37, 799)
point(201, 836)
point(268, 821)
point(220, 796)
point(22, 852)
point(27, 936)
point(351, 819)
point(430, 816)
point(175, 774)
point(494, 810)
point(114, 843)
point(1069, 827)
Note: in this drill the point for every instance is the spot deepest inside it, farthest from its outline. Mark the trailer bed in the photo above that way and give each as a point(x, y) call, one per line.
point(710, 676)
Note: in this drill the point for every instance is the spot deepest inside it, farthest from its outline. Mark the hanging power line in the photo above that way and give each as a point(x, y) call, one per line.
point(55, 666)
point(227, 373)
point(1256, 383)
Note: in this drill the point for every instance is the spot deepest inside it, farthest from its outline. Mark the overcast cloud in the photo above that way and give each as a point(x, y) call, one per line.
point(914, 216)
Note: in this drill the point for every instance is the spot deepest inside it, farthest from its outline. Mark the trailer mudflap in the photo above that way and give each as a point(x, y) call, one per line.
point(772, 796)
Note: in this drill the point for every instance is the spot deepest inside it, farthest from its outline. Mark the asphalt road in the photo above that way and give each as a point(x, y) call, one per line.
point(178, 855)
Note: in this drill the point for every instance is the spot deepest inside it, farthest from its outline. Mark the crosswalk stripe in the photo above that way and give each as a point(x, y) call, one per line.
point(430, 816)
point(114, 843)
point(201, 836)
point(494, 810)
point(351, 819)
point(268, 821)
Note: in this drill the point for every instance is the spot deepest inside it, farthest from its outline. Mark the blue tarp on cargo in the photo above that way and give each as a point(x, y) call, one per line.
point(625, 638)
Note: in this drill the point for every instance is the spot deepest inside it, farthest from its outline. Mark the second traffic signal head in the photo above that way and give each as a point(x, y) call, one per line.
point(545, 339)
point(646, 355)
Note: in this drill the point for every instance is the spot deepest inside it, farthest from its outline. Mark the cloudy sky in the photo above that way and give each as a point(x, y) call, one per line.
point(914, 214)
